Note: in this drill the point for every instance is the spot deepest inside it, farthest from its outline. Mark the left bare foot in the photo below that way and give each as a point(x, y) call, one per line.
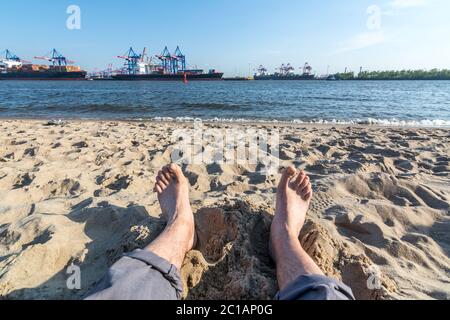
point(293, 200)
point(172, 188)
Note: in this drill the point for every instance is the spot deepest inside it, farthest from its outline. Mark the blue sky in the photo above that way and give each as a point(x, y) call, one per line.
point(237, 36)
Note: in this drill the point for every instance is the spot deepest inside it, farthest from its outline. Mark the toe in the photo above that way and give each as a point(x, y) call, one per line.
point(307, 189)
point(301, 177)
point(303, 185)
point(158, 189)
point(176, 171)
point(161, 178)
point(161, 184)
point(308, 197)
point(167, 175)
point(287, 176)
point(307, 193)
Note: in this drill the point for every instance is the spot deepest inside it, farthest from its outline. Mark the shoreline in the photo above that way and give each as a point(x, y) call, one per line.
point(274, 123)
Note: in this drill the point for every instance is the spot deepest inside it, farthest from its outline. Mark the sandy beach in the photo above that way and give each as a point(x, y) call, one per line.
point(81, 193)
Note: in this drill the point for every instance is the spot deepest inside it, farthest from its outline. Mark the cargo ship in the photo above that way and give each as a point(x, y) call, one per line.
point(238, 79)
point(286, 72)
point(187, 75)
point(14, 68)
point(168, 67)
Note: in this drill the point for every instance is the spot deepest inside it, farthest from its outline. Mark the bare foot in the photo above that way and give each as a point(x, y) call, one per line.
point(172, 188)
point(293, 200)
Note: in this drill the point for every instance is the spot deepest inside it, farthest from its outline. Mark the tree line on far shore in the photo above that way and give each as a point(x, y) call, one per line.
point(434, 74)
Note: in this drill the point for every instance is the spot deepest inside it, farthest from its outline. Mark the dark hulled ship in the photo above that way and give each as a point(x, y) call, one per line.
point(188, 75)
point(14, 68)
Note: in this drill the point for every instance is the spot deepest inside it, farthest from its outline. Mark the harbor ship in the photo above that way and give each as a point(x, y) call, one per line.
point(14, 68)
point(167, 67)
point(285, 72)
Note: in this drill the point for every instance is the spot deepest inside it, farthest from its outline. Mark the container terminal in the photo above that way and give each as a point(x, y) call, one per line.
point(285, 72)
point(165, 66)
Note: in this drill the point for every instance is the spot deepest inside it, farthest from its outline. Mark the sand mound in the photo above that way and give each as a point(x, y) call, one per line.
point(231, 260)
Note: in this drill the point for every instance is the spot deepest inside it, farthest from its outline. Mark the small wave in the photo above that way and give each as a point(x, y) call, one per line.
point(369, 121)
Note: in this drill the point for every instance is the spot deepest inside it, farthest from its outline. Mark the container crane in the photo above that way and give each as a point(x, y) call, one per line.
point(10, 56)
point(10, 60)
point(172, 63)
point(181, 59)
point(307, 69)
point(132, 60)
point(289, 68)
point(166, 61)
point(104, 73)
point(56, 58)
point(262, 70)
point(144, 54)
point(286, 69)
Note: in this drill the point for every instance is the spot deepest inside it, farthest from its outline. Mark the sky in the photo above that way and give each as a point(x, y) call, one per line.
point(237, 36)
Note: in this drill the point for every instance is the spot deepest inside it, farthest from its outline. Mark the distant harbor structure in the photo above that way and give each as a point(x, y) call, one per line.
point(285, 72)
point(169, 67)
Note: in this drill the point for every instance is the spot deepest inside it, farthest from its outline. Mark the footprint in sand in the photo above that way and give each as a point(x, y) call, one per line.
point(18, 142)
point(67, 187)
point(403, 165)
point(431, 198)
point(8, 157)
point(30, 152)
point(120, 183)
point(56, 145)
point(23, 181)
point(80, 145)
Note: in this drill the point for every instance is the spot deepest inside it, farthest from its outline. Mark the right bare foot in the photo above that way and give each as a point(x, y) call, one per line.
point(172, 188)
point(293, 200)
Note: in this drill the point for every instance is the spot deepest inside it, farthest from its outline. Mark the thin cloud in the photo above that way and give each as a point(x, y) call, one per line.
point(404, 4)
point(363, 40)
point(373, 38)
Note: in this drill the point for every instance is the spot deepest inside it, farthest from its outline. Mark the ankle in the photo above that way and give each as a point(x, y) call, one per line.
point(284, 239)
point(184, 222)
point(181, 218)
point(184, 225)
point(285, 249)
point(284, 232)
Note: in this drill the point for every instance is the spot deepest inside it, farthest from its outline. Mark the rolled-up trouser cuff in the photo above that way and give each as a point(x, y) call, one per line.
point(315, 287)
point(169, 271)
point(140, 275)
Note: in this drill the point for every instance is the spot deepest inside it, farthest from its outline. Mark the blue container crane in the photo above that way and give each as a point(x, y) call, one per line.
point(10, 56)
point(166, 61)
point(180, 60)
point(56, 58)
point(131, 61)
